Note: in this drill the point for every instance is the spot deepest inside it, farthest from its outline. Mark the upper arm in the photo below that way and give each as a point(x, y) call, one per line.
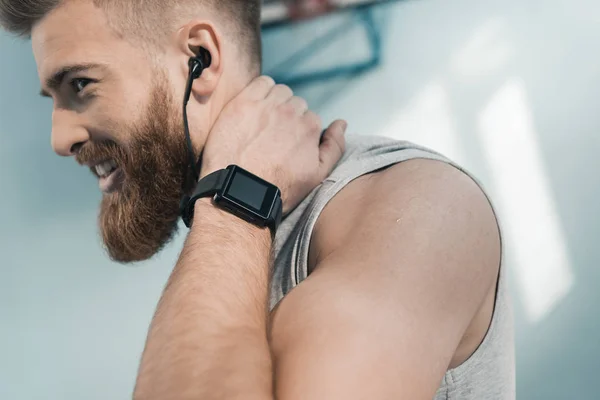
point(393, 292)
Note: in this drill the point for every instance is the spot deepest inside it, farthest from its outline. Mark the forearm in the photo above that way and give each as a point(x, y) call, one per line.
point(208, 339)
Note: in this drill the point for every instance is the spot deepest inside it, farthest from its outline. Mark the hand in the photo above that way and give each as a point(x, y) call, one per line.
point(271, 133)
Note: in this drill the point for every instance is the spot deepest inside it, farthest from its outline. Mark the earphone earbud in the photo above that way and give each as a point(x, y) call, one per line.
point(199, 63)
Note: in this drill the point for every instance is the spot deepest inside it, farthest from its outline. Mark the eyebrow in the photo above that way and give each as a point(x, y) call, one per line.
point(55, 80)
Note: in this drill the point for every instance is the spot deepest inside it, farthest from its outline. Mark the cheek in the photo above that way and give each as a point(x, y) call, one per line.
point(119, 106)
point(110, 123)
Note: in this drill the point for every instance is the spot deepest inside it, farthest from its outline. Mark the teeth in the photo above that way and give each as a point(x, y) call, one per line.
point(106, 168)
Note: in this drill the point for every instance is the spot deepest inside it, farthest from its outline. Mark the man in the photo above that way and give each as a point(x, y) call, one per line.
point(393, 253)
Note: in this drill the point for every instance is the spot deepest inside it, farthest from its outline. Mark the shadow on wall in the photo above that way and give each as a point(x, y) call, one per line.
point(309, 54)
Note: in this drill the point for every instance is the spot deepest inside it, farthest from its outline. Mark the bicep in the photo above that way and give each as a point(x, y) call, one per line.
point(381, 317)
point(346, 344)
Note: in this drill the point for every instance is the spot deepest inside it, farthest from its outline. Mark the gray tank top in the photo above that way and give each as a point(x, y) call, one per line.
point(490, 372)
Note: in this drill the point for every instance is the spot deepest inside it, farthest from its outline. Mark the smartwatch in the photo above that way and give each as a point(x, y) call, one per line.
point(239, 192)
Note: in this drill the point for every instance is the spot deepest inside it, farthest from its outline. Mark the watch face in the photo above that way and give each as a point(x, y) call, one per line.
point(250, 194)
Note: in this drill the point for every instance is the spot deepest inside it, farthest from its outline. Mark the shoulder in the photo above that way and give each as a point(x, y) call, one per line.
point(425, 199)
point(396, 258)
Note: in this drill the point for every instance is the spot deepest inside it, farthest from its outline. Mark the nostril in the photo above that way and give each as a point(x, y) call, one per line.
point(76, 147)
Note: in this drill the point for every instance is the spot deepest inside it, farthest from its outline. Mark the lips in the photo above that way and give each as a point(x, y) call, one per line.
point(112, 182)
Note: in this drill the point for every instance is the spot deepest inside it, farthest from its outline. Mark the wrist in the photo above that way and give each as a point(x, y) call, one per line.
point(207, 213)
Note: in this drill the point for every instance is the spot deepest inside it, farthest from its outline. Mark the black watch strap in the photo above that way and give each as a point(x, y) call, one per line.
point(207, 186)
point(210, 184)
point(276, 215)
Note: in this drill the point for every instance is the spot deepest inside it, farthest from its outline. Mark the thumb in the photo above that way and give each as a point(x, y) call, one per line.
point(333, 145)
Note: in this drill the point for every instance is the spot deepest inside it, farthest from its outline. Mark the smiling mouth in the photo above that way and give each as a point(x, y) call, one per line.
point(110, 176)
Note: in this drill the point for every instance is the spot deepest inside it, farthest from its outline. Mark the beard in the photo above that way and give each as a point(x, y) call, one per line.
point(140, 218)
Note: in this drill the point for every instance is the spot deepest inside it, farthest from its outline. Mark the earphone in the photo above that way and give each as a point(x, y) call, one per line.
point(197, 65)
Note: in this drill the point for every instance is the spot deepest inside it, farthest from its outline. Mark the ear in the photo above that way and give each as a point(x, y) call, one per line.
point(191, 37)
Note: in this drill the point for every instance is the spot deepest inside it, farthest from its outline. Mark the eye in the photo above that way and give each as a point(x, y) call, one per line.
point(78, 84)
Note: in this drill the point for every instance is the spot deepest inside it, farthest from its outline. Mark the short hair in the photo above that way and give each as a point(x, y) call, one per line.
point(151, 19)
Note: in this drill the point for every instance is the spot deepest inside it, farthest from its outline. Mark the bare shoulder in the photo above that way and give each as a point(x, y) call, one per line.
point(419, 196)
point(396, 257)
point(422, 214)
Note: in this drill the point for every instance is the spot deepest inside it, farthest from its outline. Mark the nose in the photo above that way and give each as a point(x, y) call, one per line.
point(67, 134)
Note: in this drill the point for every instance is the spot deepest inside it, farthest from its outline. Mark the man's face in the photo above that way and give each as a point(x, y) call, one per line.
point(116, 115)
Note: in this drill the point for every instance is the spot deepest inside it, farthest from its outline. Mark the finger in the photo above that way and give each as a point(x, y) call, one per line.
point(333, 145)
point(259, 88)
point(298, 104)
point(280, 94)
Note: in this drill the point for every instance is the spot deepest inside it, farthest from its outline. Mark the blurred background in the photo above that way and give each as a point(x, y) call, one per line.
point(509, 89)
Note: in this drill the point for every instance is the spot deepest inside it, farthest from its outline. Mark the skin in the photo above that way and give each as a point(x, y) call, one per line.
point(397, 293)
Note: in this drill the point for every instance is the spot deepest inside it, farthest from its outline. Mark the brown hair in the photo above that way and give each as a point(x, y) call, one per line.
point(151, 19)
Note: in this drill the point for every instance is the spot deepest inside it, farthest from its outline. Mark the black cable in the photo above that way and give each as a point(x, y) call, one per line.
point(186, 128)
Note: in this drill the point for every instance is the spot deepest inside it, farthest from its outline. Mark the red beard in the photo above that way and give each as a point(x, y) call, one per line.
point(141, 217)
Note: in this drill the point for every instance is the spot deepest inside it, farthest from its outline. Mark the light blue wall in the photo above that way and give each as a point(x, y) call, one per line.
point(509, 89)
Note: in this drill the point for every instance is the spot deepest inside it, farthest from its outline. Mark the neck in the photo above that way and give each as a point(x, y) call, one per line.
point(203, 113)
point(230, 86)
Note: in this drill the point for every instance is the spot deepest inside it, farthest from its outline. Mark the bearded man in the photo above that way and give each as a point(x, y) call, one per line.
point(315, 267)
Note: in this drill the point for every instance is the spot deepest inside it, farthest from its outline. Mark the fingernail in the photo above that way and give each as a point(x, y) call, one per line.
point(344, 126)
